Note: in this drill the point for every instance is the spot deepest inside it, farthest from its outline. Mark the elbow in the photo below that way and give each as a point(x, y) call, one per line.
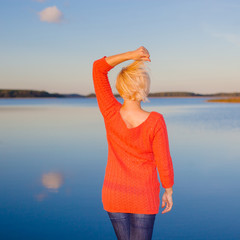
point(97, 66)
point(96, 63)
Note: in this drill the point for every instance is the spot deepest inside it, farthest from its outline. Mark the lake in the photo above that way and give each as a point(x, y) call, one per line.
point(53, 154)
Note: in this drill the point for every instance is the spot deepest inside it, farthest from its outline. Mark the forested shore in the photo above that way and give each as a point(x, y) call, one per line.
point(19, 93)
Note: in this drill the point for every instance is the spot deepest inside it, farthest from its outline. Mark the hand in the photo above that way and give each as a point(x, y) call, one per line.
point(141, 54)
point(167, 201)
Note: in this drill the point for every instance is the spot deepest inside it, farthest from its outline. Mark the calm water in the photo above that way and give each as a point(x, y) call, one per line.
point(53, 154)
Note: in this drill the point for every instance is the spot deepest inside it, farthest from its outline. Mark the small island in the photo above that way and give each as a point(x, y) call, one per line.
point(225, 100)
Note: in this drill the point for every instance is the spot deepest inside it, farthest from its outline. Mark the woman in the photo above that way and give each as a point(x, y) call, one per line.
point(137, 147)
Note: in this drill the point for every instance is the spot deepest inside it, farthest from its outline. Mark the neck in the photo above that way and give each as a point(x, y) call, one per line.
point(131, 105)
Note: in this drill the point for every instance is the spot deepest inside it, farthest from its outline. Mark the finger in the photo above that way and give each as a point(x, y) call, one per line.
point(169, 209)
point(146, 59)
point(163, 204)
point(166, 210)
point(169, 205)
point(146, 54)
point(144, 49)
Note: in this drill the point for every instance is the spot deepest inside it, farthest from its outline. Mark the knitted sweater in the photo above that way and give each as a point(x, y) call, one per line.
point(134, 154)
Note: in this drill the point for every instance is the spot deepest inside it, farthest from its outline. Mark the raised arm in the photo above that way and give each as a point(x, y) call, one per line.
point(105, 98)
point(141, 54)
point(101, 67)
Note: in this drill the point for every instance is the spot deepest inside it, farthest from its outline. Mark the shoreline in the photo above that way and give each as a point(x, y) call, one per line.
point(232, 97)
point(95, 97)
point(225, 100)
point(208, 99)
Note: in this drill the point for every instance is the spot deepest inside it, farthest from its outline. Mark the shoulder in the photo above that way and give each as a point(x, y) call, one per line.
point(157, 116)
point(159, 121)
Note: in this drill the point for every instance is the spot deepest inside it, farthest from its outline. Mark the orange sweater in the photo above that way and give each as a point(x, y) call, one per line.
point(131, 183)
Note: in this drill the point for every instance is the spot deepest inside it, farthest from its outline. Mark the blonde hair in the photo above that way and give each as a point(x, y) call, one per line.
point(133, 82)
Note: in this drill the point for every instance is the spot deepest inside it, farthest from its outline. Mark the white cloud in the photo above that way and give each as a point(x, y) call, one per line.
point(233, 38)
point(51, 15)
point(230, 37)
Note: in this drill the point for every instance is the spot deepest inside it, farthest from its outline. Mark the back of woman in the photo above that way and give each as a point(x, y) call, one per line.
point(137, 147)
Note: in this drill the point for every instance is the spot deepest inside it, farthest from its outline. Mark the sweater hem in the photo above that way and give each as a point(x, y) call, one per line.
point(130, 211)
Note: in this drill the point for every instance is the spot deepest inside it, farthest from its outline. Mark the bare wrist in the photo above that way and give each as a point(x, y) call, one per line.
point(129, 55)
point(169, 190)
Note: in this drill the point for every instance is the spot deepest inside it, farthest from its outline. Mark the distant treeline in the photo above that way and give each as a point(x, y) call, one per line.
point(12, 93)
point(183, 94)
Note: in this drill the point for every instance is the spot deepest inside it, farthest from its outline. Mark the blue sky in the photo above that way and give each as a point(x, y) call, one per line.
point(51, 45)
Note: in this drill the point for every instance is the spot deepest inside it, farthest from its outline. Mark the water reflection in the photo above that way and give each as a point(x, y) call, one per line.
point(44, 142)
point(52, 181)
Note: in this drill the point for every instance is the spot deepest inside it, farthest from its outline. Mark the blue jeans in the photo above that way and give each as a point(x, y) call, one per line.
point(132, 226)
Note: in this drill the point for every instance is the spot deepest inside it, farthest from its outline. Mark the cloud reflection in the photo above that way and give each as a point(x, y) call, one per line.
point(52, 181)
point(40, 197)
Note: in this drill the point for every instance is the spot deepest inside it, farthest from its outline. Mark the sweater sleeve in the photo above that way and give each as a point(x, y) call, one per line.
point(105, 98)
point(162, 154)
